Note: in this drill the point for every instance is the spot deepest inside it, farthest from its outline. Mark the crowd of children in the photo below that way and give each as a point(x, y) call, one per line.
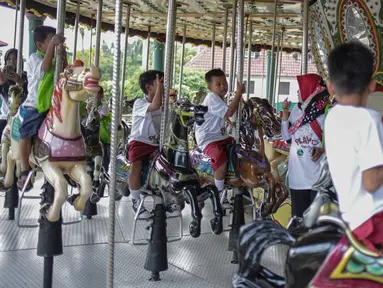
point(353, 133)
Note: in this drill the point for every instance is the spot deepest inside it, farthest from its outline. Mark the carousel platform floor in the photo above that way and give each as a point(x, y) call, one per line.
point(202, 262)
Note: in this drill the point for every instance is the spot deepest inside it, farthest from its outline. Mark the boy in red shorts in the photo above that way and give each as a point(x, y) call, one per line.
point(211, 136)
point(354, 143)
point(144, 136)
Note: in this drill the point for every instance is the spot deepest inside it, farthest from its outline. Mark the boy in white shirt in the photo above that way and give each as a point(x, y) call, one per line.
point(211, 136)
point(354, 139)
point(40, 73)
point(144, 136)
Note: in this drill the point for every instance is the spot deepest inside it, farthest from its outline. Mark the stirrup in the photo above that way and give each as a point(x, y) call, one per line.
point(136, 218)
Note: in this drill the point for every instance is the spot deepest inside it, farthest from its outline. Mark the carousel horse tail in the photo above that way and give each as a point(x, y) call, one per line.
point(253, 240)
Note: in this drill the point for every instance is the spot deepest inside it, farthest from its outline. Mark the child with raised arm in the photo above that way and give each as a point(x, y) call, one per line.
point(40, 72)
point(354, 141)
point(211, 136)
point(144, 136)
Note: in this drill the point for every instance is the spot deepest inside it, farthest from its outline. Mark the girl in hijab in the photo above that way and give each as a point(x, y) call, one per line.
point(304, 127)
point(9, 77)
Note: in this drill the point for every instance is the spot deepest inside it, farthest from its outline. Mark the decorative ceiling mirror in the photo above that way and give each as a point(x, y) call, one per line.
point(356, 28)
point(320, 46)
point(357, 23)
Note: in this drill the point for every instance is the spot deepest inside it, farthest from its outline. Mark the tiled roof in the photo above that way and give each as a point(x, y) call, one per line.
point(290, 66)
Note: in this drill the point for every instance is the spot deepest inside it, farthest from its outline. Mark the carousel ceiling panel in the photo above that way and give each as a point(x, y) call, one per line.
point(199, 16)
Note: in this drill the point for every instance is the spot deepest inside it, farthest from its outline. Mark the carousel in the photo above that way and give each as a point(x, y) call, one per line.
point(79, 208)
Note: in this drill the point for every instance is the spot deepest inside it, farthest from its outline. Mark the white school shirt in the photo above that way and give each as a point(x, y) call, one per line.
point(213, 129)
point(303, 172)
point(145, 125)
point(34, 74)
point(4, 108)
point(354, 139)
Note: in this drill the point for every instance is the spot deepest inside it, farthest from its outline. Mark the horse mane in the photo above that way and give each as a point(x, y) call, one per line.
point(57, 95)
point(56, 103)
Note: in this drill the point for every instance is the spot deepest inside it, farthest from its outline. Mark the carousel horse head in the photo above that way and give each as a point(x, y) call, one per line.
point(79, 81)
point(265, 116)
point(15, 98)
point(189, 113)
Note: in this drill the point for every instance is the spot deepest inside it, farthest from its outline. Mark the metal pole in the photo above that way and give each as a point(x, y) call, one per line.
point(224, 42)
point(271, 80)
point(280, 64)
point(98, 34)
point(91, 38)
point(20, 39)
point(174, 63)
point(76, 31)
point(232, 46)
point(272, 102)
point(60, 29)
point(241, 16)
point(15, 33)
point(263, 69)
point(213, 47)
point(182, 60)
point(249, 60)
point(305, 36)
point(148, 51)
point(127, 20)
point(114, 141)
point(169, 49)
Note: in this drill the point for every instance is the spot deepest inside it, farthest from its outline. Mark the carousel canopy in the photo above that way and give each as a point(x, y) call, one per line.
point(198, 15)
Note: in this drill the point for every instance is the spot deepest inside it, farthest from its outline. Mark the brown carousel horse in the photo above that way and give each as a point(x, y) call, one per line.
point(248, 168)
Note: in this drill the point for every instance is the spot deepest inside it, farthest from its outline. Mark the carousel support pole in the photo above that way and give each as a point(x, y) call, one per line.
point(213, 46)
point(276, 71)
point(224, 42)
point(90, 207)
point(124, 63)
point(263, 70)
point(305, 41)
point(20, 43)
point(11, 199)
point(280, 66)
point(174, 65)
point(232, 47)
point(268, 72)
point(114, 141)
point(34, 22)
point(249, 61)
point(50, 238)
point(156, 259)
point(270, 84)
point(91, 40)
point(15, 32)
point(157, 255)
point(158, 55)
point(182, 61)
point(238, 218)
point(98, 34)
point(77, 20)
point(50, 233)
point(148, 50)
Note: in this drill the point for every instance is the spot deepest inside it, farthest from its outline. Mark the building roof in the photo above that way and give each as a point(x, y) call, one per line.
point(290, 66)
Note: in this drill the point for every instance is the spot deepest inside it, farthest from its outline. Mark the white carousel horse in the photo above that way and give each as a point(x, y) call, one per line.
point(59, 148)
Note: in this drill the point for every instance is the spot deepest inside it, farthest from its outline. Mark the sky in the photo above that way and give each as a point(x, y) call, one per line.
point(7, 15)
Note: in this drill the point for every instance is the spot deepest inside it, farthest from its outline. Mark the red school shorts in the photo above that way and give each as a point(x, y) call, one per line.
point(140, 151)
point(370, 233)
point(217, 152)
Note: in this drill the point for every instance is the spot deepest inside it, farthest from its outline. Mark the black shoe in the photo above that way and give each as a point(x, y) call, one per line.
point(22, 180)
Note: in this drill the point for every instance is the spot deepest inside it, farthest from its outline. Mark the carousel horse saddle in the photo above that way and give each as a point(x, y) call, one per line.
point(350, 264)
point(15, 134)
point(123, 169)
point(56, 148)
point(204, 166)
